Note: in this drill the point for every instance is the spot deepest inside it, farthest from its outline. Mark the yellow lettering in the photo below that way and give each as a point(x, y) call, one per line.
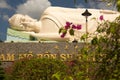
point(29, 55)
point(2, 57)
point(53, 56)
point(39, 55)
point(46, 55)
point(63, 57)
point(7, 57)
point(69, 56)
point(10, 57)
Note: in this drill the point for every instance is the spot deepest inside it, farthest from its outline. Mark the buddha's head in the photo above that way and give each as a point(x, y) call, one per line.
point(23, 23)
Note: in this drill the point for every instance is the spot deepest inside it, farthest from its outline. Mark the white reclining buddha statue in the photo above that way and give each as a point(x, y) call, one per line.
point(53, 18)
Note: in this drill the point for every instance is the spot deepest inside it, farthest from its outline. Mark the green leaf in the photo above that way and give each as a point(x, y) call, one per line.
point(60, 30)
point(71, 32)
point(94, 41)
point(64, 31)
point(112, 29)
point(68, 78)
point(56, 75)
point(84, 37)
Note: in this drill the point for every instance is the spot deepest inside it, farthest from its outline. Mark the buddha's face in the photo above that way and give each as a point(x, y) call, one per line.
point(18, 21)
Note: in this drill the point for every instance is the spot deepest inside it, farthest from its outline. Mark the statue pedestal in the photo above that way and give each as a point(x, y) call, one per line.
point(9, 52)
point(37, 47)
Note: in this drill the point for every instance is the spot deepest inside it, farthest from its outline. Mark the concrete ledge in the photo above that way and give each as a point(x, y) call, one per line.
point(11, 51)
point(36, 47)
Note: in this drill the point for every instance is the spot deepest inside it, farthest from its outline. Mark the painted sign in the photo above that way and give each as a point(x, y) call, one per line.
point(12, 57)
point(62, 50)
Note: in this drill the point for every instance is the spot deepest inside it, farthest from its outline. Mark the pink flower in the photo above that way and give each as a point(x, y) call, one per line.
point(63, 35)
point(101, 17)
point(79, 27)
point(67, 26)
point(73, 26)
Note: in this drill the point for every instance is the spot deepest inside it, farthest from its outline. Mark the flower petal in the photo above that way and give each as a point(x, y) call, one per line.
point(63, 35)
point(101, 17)
point(79, 27)
point(67, 26)
point(74, 27)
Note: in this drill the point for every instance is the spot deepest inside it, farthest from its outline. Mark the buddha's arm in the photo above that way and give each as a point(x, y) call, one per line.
point(32, 26)
point(48, 36)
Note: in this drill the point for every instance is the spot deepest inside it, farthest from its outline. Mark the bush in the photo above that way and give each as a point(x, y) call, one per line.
point(47, 69)
point(2, 73)
point(36, 69)
point(107, 50)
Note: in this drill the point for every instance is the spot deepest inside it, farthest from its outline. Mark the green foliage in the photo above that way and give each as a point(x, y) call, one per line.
point(36, 69)
point(107, 50)
point(118, 5)
point(62, 30)
point(104, 50)
point(71, 32)
point(2, 73)
point(76, 70)
point(48, 69)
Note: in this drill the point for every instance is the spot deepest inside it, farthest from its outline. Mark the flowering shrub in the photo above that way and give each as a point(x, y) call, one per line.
point(69, 27)
point(106, 49)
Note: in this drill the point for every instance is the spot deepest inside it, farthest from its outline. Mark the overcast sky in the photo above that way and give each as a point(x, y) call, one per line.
point(35, 8)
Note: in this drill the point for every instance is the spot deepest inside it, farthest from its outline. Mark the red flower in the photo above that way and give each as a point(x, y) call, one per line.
point(101, 17)
point(63, 35)
point(67, 26)
point(72, 63)
point(73, 26)
point(79, 27)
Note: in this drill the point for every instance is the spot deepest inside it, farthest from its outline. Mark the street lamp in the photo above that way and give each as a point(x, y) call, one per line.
point(86, 14)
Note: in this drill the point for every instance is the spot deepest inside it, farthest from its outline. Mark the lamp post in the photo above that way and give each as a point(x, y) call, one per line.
point(86, 14)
